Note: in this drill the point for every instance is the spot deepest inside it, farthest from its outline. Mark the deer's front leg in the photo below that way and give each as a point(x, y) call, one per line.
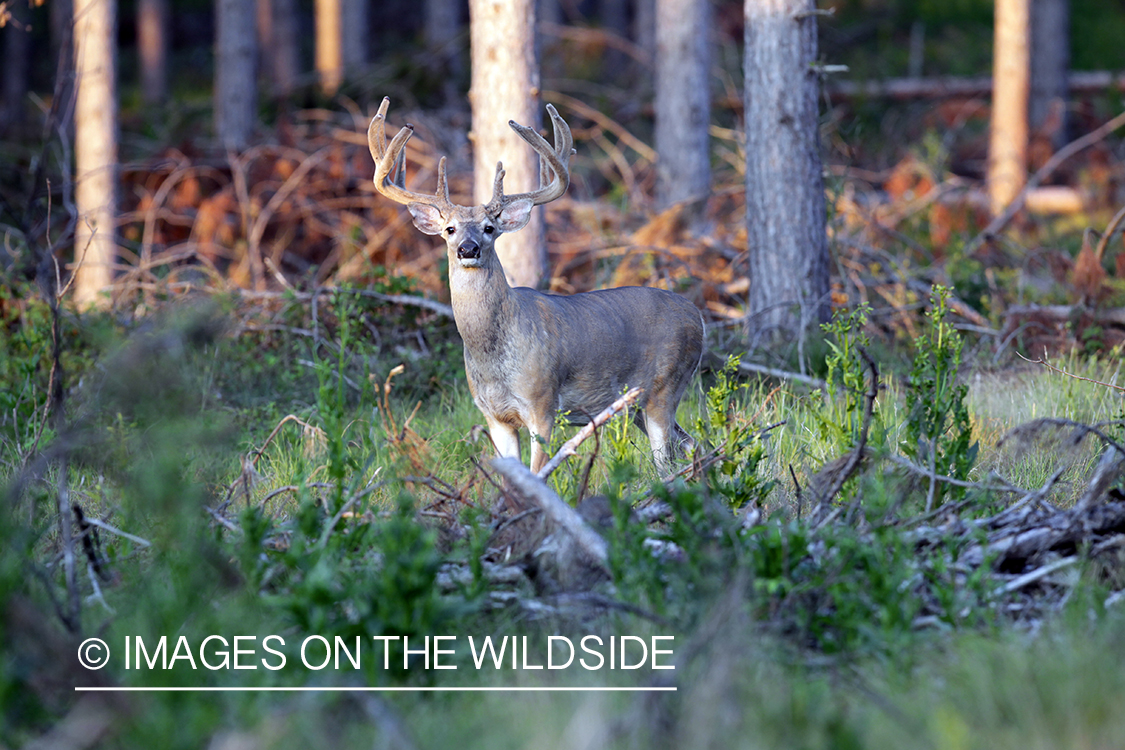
point(540, 439)
point(504, 437)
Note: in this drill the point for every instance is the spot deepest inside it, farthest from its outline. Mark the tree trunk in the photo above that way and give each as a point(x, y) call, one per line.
point(95, 148)
point(354, 35)
point(1007, 149)
point(442, 33)
point(277, 39)
point(62, 56)
point(785, 211)
point(17, 46)
point(683, 100)
point(152, 45)
point(329, 45)
point(505, 86)
point(1050, 61)
point(236, 84)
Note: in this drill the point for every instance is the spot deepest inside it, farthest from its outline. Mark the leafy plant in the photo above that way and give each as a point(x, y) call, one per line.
point(938, 431)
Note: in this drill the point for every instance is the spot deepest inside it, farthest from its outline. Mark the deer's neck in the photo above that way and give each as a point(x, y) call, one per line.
point(483, 306)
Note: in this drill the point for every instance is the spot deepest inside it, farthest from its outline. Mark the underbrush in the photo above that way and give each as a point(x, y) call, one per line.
point(828, 567)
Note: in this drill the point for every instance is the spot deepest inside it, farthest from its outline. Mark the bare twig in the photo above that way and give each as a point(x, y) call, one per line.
point(1043, 361)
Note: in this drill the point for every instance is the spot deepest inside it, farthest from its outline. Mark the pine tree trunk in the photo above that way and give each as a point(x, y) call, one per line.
point(152, 45)
point(1007, 148)
point(277, 41)
point(95, 148)
point(329, 45)
point(354, 35)
point(236, 84)
point(1050, 63)
point(441, 31)
point(505, 86)
point(785, 211)
point(683, 100)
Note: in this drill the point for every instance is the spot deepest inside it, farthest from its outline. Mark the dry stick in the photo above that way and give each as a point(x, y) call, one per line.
point(1029, 578)
point(569, 448)
point(561, 514)
point(118, 532)
point(1113, 223)
point(1064, 153)
point(1043, 361)
point(398, 299)
point(773, 372)
point(1080, 427)
point(1109, 467)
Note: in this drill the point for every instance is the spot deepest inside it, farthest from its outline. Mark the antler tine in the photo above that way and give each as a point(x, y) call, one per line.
point(555, 159)
point(390, 164)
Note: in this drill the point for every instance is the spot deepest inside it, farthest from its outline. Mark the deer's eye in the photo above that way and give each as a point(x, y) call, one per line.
point(450, 231)
point(488, 229)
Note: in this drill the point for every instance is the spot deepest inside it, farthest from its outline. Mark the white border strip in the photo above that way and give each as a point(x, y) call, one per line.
point(334, 689)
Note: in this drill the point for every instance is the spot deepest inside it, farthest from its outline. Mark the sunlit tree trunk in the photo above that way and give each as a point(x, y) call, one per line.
point(152, 46)
point(505, 86)
point(1007, 150)
point(785, 211)
point(95, 148)
point(236, 80)
point(683, 100)
point(329, 45)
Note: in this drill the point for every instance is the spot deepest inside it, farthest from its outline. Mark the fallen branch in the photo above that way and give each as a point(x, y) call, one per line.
point(570, 447)
point(557, 512)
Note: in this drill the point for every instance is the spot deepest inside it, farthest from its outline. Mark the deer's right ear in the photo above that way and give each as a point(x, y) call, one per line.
point(427, 218)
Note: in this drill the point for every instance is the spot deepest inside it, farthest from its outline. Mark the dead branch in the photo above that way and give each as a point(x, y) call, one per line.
point(997, 225)
point(1043, 361)
point(532, 488)
point(570, 447)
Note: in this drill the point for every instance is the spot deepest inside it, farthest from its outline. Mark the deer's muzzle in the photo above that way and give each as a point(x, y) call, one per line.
point(468, 250)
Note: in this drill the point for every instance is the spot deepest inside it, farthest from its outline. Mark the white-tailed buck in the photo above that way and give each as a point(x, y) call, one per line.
point(528, 354)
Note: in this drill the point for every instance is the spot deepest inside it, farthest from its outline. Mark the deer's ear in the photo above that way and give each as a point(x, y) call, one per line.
point(515, 215)
point(427, 218)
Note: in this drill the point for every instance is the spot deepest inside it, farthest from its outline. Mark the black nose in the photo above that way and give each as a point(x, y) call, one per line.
point(468, 249)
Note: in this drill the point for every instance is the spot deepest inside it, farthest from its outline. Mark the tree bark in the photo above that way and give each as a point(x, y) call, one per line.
point(277, 40)
point(1007, 149)
point(785, 211)
point(354, 35)
point(1050, 63)
point(152, 45)
point(442, 31)
point(329, 45)
point(236, 84)
point(505, 86)
point(683, 100)
point(95, 148)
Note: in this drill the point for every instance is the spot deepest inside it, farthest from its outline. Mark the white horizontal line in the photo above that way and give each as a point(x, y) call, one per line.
point(335, 689)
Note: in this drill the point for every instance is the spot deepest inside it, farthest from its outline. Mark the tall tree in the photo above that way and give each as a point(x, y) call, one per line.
point(1007, 147)
point(152, 44)
point(355, 34)
point(505, 86)
point(236, 85)
point(442, 32)
point(95, 148)
point(785, 211)
point(683, 100)
point(329, 45)
point(277, 42)
point(1050, 64)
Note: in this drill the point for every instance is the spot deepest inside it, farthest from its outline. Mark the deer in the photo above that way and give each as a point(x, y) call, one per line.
point(530, 355)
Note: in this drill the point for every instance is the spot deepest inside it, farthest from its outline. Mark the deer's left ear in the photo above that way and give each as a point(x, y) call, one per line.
point(515, 215)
